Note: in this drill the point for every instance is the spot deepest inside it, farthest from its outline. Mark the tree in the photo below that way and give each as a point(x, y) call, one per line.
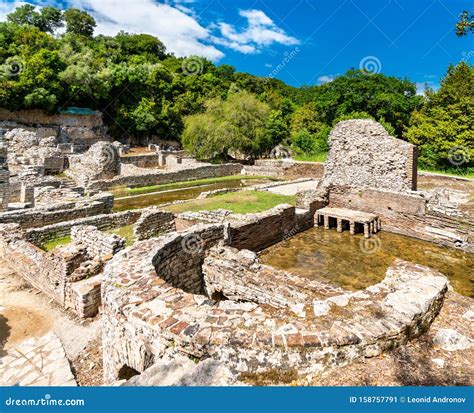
point(141, 45)
point(465, 24)
point(380, 96)
point(79, 22)
point(443, 129)
point(236, 125)
point(48, 19)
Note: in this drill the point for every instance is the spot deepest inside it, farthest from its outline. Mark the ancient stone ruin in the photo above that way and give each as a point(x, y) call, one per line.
point(4, 177)
point(363, 155)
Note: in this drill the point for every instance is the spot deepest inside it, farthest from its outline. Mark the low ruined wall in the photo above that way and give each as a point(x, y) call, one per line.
point(98, 243)
point(258, 231)
point(179, 260)
point(408, 214)
point(288, 169)
point(158, 178)
point(40, 217)
point(151, 160)
point(102, 222)
point(153, 222)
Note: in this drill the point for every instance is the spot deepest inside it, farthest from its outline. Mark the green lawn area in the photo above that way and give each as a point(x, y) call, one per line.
point(186, 184)
point(56, 242)
point(465, 173)
point(242, 202)
point(316, 157)
point(124, 232)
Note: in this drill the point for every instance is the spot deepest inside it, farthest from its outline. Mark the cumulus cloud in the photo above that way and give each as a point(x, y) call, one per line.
point(259, 32)
point(326, 79)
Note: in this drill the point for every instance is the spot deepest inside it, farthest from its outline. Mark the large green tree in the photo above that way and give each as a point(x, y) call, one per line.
point(443, 129)
point(234, 126)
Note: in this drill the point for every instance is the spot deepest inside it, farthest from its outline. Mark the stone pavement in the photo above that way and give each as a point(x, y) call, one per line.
point(294, 188)
point(37, 362)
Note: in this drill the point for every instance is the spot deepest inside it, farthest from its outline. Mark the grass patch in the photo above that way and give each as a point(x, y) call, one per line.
point(189, 184)
point(311, 157)
point(55, 242)
point(463, 172)
point(243, 202)
point(124, 232)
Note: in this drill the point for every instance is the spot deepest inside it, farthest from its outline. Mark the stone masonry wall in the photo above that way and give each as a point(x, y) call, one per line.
point(409, 214)
point(288, 169)
point(4, 177)
point(80, 130)
point(180, 259)
point(98, 243)
point(258, 231)
point(40, 217)
point(363, 155)
point(102, 222)
point(158, 178)
point(153, 222)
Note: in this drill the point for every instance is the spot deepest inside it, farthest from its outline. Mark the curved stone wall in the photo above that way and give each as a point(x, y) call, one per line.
point(146, 314)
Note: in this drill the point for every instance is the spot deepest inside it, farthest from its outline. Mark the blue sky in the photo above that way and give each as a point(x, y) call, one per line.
point(302, 42)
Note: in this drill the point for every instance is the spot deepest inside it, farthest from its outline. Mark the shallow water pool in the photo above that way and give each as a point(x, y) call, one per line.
point(355, 263)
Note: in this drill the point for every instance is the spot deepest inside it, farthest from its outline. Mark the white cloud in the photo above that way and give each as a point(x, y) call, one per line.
point(422, 86)
point(260, 31)
point(326, 79)
point(7, 8)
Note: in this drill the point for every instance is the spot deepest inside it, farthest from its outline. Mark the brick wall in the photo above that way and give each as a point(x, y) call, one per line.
point(288, 169)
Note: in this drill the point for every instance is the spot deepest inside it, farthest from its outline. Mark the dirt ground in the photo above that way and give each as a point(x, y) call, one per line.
point(25, 312)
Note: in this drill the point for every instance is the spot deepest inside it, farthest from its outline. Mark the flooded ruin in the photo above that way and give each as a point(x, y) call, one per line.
point(355, 263)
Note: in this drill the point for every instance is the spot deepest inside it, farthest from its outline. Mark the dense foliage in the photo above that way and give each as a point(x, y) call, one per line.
point(144, 91)
point(443, 129)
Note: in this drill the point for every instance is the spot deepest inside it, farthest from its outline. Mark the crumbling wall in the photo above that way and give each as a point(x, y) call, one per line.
point(39, 217)
point(180, 258)
point(288, 169)
point(27, 149)
point(101, 161)
point(363, 155)
point(98, 243)
point(4, 177)
point(153, 222)
point(81, 131)
point(162, 177)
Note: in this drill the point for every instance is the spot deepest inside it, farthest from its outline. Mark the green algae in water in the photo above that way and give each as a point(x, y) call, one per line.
point(339, 258)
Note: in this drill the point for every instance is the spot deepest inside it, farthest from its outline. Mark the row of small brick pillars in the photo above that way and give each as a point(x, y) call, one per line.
point(370, 222)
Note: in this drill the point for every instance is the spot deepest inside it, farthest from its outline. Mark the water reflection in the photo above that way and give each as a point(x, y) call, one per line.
point(339, 258)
